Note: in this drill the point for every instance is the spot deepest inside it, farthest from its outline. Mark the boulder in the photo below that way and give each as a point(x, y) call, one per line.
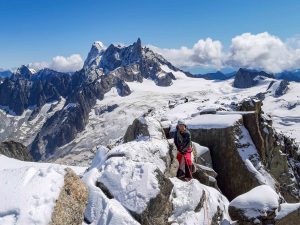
point(103, 209)
point(125, 170)
point(258, 206)
point(165, 80)
point(72, 200)
point(202, 155)
point(206, 176)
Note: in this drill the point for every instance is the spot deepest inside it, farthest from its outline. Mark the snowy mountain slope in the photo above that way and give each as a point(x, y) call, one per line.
point(29, 191)
point(181, 100)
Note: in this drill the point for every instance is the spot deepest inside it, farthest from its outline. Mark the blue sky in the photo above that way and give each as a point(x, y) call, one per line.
point(38, 30)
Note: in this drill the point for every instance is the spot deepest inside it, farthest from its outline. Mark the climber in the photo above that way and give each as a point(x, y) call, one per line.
point(182, 140)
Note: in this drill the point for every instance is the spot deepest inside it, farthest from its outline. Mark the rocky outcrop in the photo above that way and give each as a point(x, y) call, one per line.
point(15, 150)
point(272, 148)
point(282, 88)
point(284, 166)
point(206, 176)
point(252, 122)
point(71, 203)
point(245, 78)
point(234, 177)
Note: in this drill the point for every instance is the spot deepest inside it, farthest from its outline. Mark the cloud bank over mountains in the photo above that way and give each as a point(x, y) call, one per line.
point(71, 63)
point(254, 51)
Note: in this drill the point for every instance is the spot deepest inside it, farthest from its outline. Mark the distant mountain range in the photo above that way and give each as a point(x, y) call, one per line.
point(286, 75)
point(290, 75)
point(5, 73)
point(216, 75)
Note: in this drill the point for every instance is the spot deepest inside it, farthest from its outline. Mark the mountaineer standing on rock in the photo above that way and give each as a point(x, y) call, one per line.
point(182, 140)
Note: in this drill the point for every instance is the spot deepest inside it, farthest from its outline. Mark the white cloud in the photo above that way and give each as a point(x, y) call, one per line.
point(204, 53)
point(257, 51)
point(263, 51)
point(38, 65)
point(60, 63)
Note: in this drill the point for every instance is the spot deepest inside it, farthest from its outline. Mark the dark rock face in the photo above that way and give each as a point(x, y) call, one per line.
point(72, 200)
point(252, 123)
point(282, 88)
point(247, 78)
point(276, 151)
point(233, 176)
point(15, 150)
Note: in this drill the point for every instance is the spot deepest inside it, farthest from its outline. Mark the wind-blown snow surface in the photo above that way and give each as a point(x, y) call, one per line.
point(29, 191)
